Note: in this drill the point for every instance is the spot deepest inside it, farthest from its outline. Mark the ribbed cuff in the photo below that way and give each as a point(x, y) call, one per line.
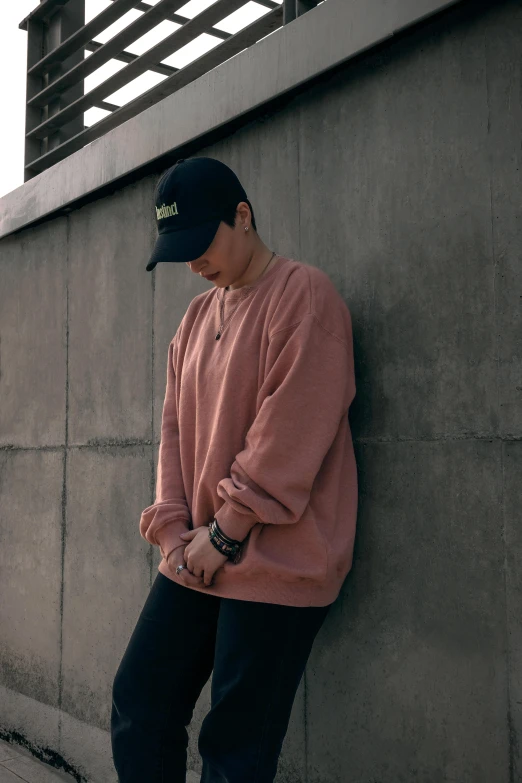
point(233, 524)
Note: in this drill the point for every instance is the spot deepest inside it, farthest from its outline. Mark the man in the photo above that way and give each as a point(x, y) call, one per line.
point(256, 494)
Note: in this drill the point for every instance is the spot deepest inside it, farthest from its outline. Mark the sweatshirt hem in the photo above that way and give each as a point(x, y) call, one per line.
point(265, 589)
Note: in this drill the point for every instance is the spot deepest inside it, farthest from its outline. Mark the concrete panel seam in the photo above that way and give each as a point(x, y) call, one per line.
point(107, 447)
point(64, 486)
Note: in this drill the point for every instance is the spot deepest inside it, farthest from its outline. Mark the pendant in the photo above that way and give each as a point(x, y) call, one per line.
point(218, 336)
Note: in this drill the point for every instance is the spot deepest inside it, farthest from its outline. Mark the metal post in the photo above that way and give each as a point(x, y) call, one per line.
point(44, 35)
point(289, 11)
point(33, 115)
point(63, 24)
point(294, 8)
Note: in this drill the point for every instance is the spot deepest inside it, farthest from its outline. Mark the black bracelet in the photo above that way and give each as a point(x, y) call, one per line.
point(222, 535)
point(231, 554)
point(223, 544)
point(218, 546)
point(232, 551)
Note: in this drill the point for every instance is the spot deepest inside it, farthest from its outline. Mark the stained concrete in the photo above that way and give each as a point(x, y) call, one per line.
point(30, 572)
point(512, 528)
point(104, 556)
point(30, 723)
point(400, 177)
point(404, 227)
point(33, 337)
point(409, 679)
point(109, 306)
point(504, 151)
point(16, 764)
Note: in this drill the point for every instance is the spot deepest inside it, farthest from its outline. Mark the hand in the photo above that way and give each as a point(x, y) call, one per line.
point(201, 556)
point(177, 558)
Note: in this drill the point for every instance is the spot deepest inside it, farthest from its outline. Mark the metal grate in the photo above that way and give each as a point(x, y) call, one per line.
point(57, 65)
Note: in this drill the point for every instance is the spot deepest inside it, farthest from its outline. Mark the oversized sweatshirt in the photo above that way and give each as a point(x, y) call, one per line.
point(255, 432)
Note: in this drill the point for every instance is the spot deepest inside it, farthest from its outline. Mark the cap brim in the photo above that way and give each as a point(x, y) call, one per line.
point(183, 245)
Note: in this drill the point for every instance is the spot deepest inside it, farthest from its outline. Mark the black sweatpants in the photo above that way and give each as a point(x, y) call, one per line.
point(258, 652)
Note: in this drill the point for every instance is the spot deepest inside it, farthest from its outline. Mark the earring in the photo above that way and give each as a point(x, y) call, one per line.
point(246, 228)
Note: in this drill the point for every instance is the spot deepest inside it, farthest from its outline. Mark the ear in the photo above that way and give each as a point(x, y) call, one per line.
point(244, 218)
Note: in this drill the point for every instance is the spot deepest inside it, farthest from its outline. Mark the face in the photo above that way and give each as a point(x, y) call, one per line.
point(229, 252)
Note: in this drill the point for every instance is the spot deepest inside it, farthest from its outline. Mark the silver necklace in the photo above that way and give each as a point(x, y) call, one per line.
point(240, 299)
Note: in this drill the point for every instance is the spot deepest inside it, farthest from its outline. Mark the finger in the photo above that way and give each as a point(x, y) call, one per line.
point(187, 570)
point(188, 535)
point(207, 578)
point(190, 579)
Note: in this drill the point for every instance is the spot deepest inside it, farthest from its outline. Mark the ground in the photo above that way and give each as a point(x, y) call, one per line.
point(17, 764)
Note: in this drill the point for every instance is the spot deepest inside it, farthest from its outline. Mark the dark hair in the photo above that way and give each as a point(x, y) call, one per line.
point(229, 215)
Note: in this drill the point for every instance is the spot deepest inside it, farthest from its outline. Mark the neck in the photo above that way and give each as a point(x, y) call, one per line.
point(257, 265)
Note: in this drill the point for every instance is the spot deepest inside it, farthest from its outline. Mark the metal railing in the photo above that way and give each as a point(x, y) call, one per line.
point(57, 65)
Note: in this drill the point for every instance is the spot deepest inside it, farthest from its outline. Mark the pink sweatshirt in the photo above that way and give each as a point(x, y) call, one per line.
point(255, 432)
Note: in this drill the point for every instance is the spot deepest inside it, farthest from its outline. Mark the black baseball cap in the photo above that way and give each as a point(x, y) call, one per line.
point(190, 200)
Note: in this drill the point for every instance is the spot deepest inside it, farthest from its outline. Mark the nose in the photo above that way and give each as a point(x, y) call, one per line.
point(193, 268)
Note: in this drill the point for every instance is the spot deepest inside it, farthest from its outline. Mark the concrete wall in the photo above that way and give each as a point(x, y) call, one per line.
point(399, 175)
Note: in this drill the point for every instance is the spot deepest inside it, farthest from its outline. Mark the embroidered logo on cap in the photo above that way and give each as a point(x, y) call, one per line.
point(166, 211)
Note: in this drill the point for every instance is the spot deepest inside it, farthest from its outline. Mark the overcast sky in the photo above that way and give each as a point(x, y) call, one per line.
point(13, 64)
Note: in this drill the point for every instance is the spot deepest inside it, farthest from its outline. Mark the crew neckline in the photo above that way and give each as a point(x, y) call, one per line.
point(236, 293)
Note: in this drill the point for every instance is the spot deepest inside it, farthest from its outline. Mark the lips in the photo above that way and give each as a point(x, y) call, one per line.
point(211, 277)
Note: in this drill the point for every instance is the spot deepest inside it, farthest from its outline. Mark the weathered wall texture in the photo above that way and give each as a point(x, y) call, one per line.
point(400, 176)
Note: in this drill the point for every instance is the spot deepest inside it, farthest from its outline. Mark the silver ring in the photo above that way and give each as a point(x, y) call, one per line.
point(179, 569)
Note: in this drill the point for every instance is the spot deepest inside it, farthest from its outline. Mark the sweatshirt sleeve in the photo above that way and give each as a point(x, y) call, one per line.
point(169, 515)
point(308, 388)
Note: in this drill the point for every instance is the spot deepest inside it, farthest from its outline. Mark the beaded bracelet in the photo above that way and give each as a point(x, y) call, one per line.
point(227, 546)
point(223, 548)
point(220, 542)
point(231, 554)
